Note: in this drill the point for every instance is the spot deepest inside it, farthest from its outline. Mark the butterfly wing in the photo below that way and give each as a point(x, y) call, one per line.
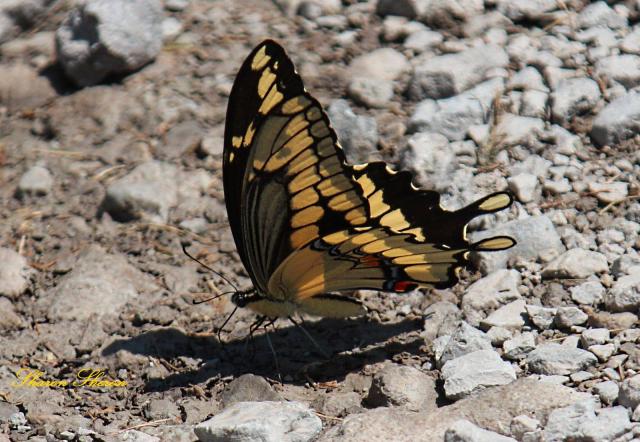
point(285, 176)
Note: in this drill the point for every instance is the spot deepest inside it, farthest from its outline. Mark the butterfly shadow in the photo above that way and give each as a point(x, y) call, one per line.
point(350, 344)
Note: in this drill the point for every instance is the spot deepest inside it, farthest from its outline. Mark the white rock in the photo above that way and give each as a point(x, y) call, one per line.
point(261, 421)
point(518, 347)
point(475, 371)
point(567, 317)
point(422, 40)
point(536, 237)
point(631, 43)
point(630, 392)
point(603, 352)
point(593, 336)
point(14, 273)
point(613, 192)
point(523, 186)
point(465, 339)
point(523, 424)
point(556, 359)
point(608, 425)
point(587, 293)
point(607, 391)
point(600, 14)
point(371, 91)
point(489, 293)
point(509, 316)
point(542, 317)
point(514, 129)
point(36, 181)
point(576, 263)
point(104, 37)
point(450, 74)
point(625, 69)
point(534, 104)
point(465, 431)
point(624, 295)
point(382, 64)
point(430, 157)
point(404, 386)
point(358, 134)
point(452, 116)
point(618, 121)
point(573, 96)
point(525, 9)
point(150, 190)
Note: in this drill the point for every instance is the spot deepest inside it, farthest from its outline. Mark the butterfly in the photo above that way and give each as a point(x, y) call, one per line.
point(308, 225)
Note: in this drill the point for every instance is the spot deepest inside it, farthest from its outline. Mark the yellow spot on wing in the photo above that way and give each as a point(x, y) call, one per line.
point(305, 198)
point(326, 147)
point(236, 141)
point(334, 185)
point(260, 59)
point(306, 216)
point(330, 166)
point(367, 185)
point(302, 161)
point(266, 80)
point(248, 136)
point(395, 219)
point(295, 105)
point(304, 179)
point(274, 97)
point(376, 205)
point(344, 201)
point(356, 216)
point(497, 202)
point(337, 238)
point(303, 236)
point(313, 113)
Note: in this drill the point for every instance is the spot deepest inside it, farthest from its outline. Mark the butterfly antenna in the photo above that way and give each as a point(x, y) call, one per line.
point(202, 301)
point(184, 249)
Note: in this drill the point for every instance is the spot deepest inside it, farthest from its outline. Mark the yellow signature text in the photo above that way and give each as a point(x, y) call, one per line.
point(86, 377)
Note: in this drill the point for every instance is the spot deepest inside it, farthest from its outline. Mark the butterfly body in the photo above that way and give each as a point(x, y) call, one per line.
point(308, 224)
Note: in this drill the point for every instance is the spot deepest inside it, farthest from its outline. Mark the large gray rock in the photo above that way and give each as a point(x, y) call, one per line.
point(630, 392)
point(401, 385)
point(492, 409)
point(451, 74)
point(357, 134)
point(99, 284)
point(261, 421)
point(618, 121)
point(107, 37)
point(556, 359)
point(573, 96)
point(477, 370)
point(536, 238)
point(452, 116)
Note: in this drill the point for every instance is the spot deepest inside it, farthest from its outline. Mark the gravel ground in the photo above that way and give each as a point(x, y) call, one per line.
point(111, 124)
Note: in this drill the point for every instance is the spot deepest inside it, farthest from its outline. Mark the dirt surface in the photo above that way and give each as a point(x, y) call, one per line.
point(116, 294)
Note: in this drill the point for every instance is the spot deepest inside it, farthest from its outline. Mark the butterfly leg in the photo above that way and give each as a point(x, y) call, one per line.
point(308, 335)
point(252, 329)
point(226, 321)
point(273, 351)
